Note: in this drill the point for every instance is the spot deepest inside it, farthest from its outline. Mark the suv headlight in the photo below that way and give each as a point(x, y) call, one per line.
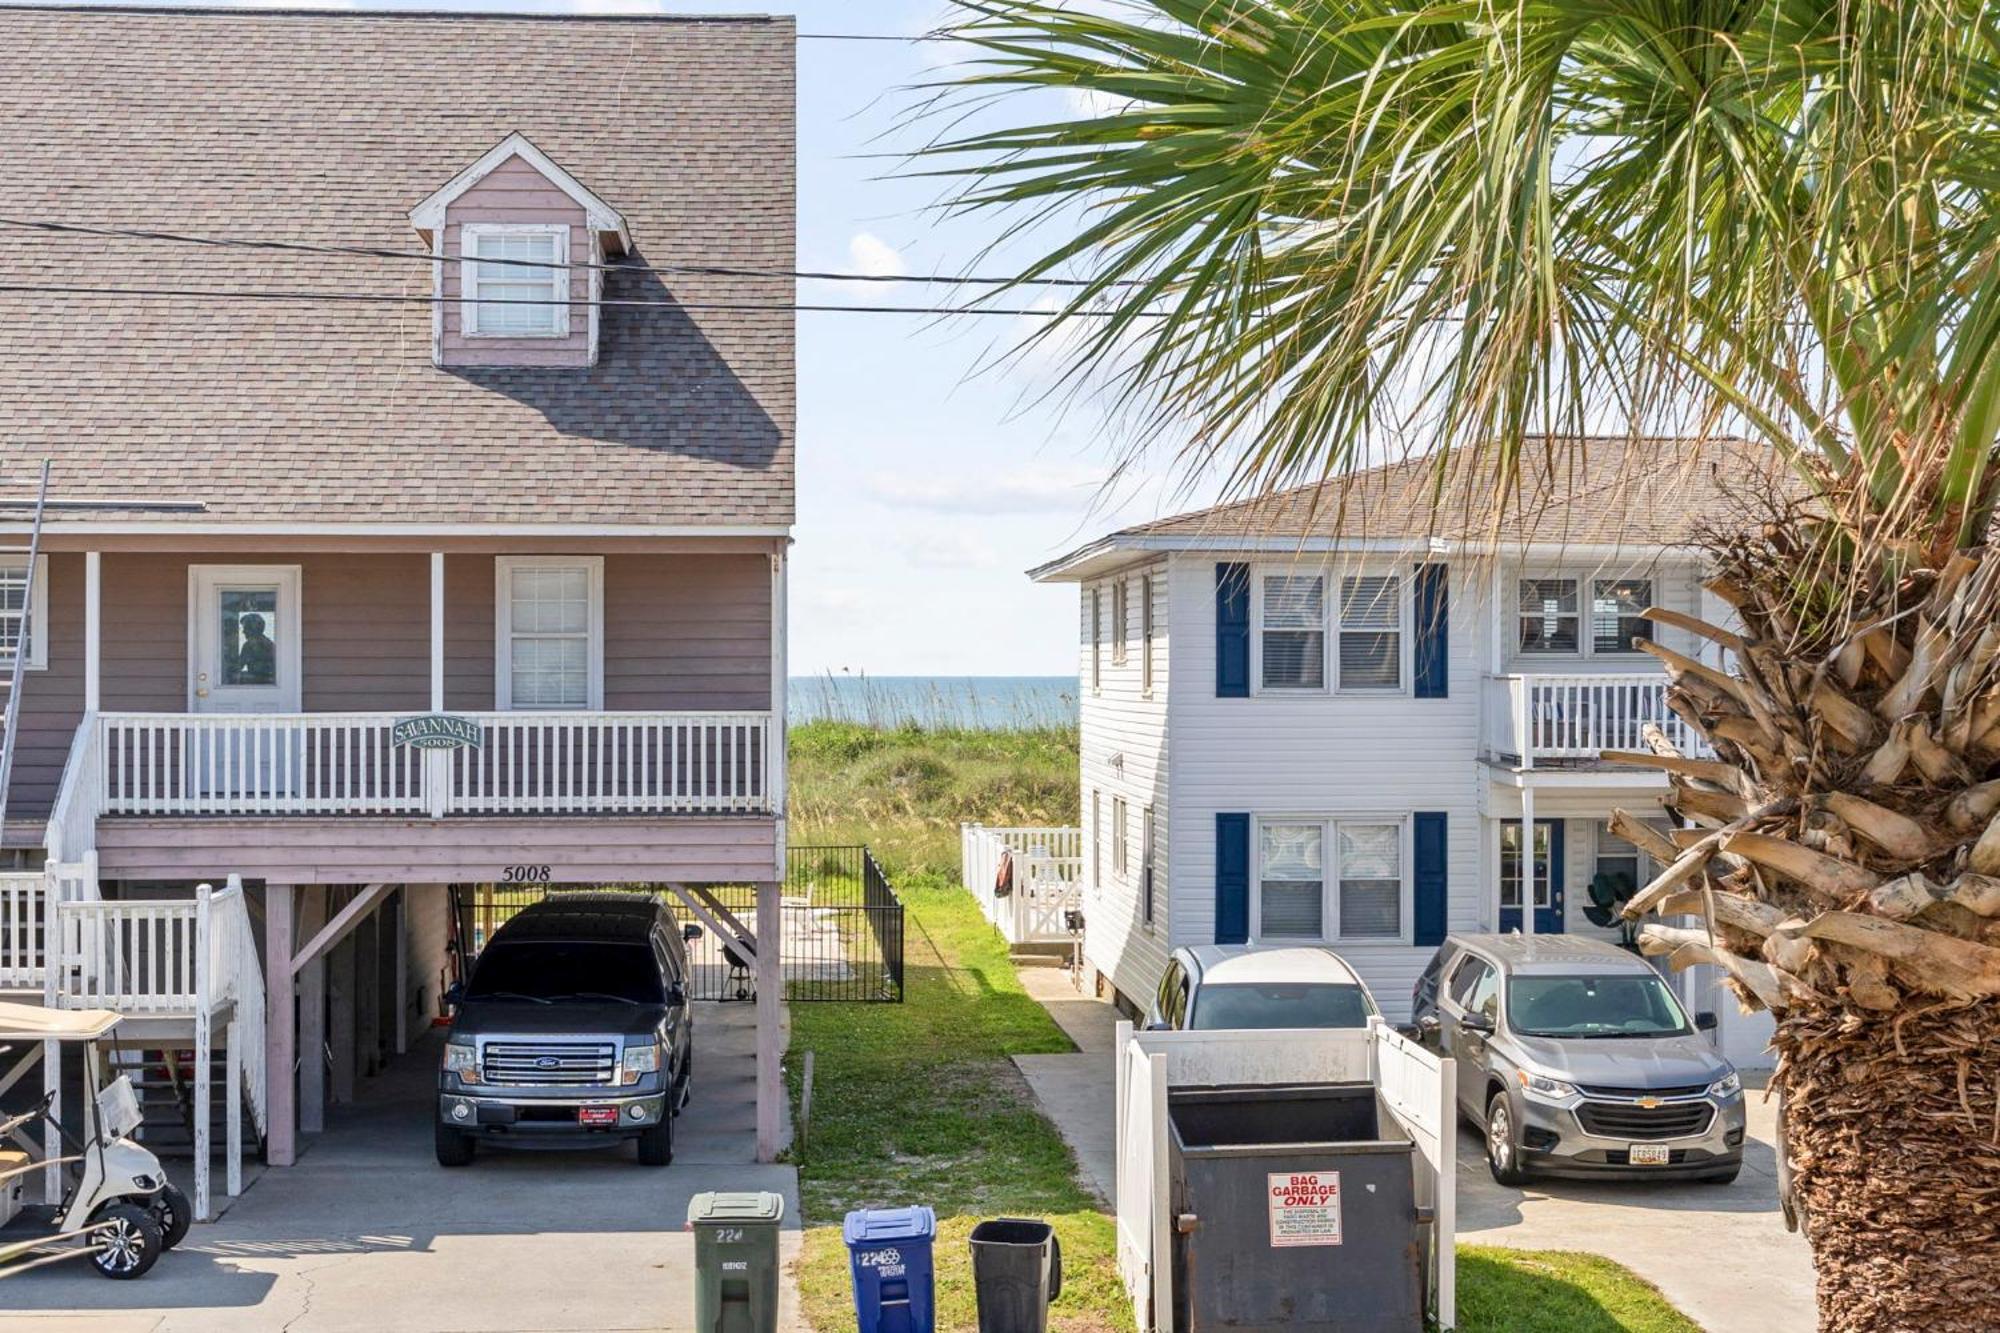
point(1726, 1086)
point(462, 1060)
point(1549, 1089)
point(640, 1060)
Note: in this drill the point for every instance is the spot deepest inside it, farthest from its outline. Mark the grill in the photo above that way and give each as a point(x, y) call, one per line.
point(1626, 1120)
point(591, 1064)
point(1600, 1090)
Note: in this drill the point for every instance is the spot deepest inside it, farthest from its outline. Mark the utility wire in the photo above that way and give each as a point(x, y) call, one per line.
point(426, 257)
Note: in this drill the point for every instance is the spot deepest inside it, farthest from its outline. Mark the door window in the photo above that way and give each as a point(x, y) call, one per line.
point(1510, 864)
point(250, 631)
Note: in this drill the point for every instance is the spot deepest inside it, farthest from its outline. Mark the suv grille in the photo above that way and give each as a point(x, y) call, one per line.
point(1625, 1120)
point(544, 1063)
point(1600, 1090)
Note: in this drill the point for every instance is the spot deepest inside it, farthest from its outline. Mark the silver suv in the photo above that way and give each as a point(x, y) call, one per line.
point(1578, 1060)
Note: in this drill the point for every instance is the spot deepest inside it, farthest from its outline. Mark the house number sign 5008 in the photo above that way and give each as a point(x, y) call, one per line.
point(527, 874)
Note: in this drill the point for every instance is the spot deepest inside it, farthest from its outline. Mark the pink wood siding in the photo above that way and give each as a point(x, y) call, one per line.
point(732, 850)
point(515, 192)
point(682, 631)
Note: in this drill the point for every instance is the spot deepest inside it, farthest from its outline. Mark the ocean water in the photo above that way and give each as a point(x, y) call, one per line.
point(997, 703)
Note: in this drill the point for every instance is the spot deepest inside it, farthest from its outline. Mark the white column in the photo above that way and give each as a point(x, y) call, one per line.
point(93, 621)
point(312, 1019)
point(1528, 861)
point(437, 631)
point(280, 1030)
point(770, 1021)
point(204, 985)
point(52, 1144)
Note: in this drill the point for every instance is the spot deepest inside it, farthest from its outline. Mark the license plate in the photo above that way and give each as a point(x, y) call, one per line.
point(597, 1115)
point(1649, 1154)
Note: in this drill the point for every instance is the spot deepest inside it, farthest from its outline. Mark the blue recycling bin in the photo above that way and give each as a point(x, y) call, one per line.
point(889, 1252)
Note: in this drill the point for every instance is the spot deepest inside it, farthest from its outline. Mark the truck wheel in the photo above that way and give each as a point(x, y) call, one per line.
point(1503, 1144)
point(129, 1244)
point(454, 1148)
point(171, 1210)
point(656, 1145)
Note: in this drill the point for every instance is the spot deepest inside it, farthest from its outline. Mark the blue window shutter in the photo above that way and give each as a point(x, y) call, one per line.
point(1232, 879)
point(1232, 630)
point(1431, 601)
point(1427, 836)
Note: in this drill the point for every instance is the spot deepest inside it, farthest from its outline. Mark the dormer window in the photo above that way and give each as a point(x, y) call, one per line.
point(521, 249)
point(509, 297)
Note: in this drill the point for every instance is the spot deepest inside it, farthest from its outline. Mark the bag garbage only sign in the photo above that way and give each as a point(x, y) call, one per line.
point(1305, 1207)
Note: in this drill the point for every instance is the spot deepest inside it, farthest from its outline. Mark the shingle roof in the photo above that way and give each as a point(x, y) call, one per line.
point(1599, 491)
point(329, 128)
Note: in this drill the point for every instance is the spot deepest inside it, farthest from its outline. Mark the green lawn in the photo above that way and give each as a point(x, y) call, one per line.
point(919, 1103)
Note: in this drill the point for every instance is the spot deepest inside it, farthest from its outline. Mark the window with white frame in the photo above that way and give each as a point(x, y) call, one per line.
point(1096, 839)
point(1617, 862)
point(1556, 622)
point(1146, 633)
point(1118, 836)
point(1120, 620)
point(1510, 864)
point(1360, 893)
point(1371, 632)
point(1096, 638)
point(549, 614)
point(19, 617)
point(1615, 615)
point(513, 285)
point(1549, 616)
point(1293, 636)
point(1146, 856)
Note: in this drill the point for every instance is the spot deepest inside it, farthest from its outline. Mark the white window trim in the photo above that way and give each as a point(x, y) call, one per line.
point(1096, 638)
point(38, 615)
point(471, 272)
point(1149, 846)
point(1330, 636)
point(1585, 590)
point(503, 627)
point(1121, 620)
point(1147, 632)
point(1121, 860)
point(1330, 883)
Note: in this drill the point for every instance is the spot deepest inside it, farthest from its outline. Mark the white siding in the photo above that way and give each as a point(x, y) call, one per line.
point(1124, 753)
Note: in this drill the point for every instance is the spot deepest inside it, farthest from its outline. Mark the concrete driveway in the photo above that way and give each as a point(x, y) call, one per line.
point(1720, 1253)
point(367, 1232)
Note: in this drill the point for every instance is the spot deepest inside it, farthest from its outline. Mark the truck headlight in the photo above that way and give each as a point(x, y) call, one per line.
point(640, 1060)
point(462, 1060)
point(1726, 1086)
point(1548, 1089)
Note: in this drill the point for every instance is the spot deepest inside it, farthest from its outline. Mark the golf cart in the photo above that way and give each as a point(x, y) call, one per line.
point(117, 1208)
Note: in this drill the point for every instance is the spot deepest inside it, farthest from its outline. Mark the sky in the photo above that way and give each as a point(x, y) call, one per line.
point(933, 468)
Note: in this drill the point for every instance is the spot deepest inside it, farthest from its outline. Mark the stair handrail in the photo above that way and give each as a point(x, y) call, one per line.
point(70, 839)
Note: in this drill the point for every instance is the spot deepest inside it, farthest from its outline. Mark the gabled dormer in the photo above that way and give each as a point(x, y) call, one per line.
point(493, 227)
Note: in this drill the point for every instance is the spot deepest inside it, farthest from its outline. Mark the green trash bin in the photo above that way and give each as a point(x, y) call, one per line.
point(736, 1261)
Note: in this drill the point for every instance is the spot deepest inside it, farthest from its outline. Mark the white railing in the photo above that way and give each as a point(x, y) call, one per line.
point(138, 956)
point(1047, 870)
point(23, 925)
point(349, 763)
point(1533, 717)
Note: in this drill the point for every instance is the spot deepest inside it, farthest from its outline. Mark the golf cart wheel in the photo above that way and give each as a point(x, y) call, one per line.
point(171, 1210)
point(454, 1148)
point(656, 1145)
point(129, 1244)
point(1503, 1143)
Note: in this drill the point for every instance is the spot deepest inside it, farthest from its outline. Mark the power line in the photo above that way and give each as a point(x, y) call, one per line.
point(388, 298)
point(426, 257)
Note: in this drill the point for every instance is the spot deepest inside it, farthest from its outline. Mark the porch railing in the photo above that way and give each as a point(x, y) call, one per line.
point(349, 763)
point(1535, 717)
point(1047, 878)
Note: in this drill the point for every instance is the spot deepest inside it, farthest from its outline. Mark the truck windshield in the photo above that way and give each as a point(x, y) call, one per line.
point(1601, 1006)
point(558, 970)
point(1281, 1005)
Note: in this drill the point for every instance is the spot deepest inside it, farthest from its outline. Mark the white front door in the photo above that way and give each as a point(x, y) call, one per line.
point(245, 630)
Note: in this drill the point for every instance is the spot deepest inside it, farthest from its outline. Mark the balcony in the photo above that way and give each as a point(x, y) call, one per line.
point(1568, 720)
point(554, 763)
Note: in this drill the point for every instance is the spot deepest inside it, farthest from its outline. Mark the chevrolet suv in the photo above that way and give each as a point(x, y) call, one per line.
point(1578, 1060)
point(572, 1032)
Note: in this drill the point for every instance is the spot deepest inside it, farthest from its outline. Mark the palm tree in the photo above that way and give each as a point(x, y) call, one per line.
point(1303, 224)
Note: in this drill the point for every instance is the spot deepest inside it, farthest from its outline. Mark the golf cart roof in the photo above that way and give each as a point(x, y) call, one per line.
point(31, 1022)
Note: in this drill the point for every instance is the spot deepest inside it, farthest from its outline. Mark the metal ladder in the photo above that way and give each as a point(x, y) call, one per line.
point(10, 719)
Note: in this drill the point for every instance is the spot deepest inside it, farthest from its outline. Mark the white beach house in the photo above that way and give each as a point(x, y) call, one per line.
point(1304, 719)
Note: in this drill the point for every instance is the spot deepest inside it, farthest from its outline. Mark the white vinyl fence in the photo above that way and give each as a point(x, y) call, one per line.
point(1047, 877)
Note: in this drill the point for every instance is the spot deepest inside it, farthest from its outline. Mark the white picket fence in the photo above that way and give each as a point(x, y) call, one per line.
point(1047, 878)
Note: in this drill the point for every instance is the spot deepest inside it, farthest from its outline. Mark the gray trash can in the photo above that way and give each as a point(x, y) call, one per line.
point(736, 1261)
point(1016, 1272)
point(1293, 1209)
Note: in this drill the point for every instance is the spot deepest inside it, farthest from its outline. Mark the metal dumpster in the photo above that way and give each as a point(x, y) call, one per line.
point(1293, 1207)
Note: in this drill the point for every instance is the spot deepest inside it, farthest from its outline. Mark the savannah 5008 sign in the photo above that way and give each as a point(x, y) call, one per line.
point(438, 731)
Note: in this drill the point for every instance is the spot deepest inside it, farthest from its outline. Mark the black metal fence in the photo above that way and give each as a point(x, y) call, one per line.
point(841, 928)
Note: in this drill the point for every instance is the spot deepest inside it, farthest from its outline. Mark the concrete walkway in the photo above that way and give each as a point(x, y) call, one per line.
point(368, 1233)
point(1721, 1254)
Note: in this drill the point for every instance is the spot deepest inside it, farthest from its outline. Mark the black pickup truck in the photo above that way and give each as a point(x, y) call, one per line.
point(573, 1031)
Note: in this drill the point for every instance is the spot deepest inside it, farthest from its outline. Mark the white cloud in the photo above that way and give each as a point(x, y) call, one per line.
point(872, 255)
point(1020, 491)
point(951, 549)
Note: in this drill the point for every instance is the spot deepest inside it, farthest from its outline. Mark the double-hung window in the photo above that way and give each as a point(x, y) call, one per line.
point(1146, 857)
point(1555, 622)
point(549, 640)
point(1146, 634)
point(1096, 638)
point(1615, 619)
point(1330, 879)
point(1371, 632)
point(19, 618)
point(1549, 616)
point(1294, 632)
point(514, 285)
point(1120, 620)
point(1118, 836)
